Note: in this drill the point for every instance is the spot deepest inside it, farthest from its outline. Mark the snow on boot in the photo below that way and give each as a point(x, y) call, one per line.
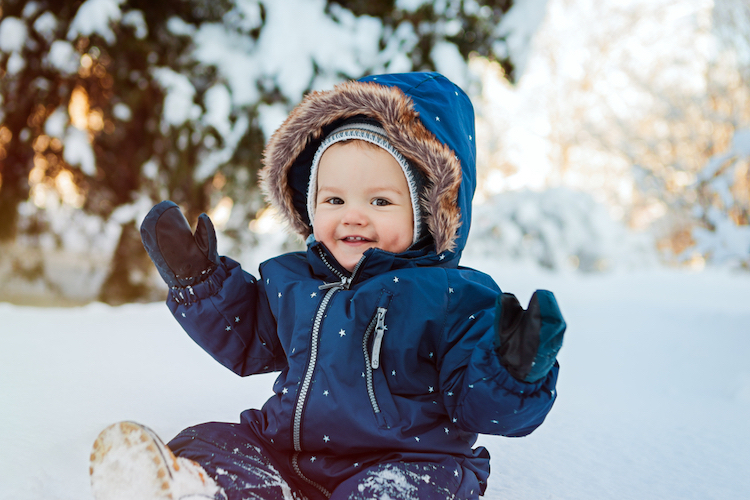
point(130, 462)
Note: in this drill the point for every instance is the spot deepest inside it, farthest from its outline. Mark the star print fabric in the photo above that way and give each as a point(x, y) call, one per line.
point(245, 470)
point(403, 481)
point(238, 464)
point(438, 380)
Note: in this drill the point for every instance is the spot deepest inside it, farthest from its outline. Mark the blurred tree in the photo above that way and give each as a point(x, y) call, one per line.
point(637, 101)
point(732, 28)
point(723, 208)
point(80, 100)
point(723, 184)
point(470, 25)
point(108, 106)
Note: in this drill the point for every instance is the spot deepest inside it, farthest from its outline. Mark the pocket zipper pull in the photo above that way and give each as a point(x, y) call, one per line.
point(378, 341)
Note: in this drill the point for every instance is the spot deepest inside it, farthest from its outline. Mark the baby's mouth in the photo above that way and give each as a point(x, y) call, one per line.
point(355, 239)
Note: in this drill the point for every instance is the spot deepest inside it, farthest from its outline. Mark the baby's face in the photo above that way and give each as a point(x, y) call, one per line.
point(362, 202)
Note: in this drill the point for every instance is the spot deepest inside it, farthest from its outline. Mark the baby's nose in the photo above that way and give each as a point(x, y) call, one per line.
point(354, 215)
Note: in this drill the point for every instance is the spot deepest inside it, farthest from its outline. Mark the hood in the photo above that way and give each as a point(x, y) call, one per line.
point(428, 119)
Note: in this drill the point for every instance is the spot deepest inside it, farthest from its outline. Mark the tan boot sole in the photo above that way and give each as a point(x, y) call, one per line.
point(130, 462)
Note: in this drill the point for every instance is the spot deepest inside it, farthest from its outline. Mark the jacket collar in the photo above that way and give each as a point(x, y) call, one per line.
point(374, 262)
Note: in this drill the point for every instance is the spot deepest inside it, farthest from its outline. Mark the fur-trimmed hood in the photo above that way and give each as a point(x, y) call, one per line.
point(427, 118)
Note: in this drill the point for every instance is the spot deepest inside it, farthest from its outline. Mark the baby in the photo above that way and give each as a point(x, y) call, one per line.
point(392, 357)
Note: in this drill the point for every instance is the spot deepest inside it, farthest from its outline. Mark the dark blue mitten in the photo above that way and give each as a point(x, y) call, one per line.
point(183, 259)
point(528, 341)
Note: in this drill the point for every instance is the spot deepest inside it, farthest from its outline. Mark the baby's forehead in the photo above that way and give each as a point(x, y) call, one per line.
point(359, 164)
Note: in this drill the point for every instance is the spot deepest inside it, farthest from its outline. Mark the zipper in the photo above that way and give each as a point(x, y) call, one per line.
point(311, 362)
point(295, 466)
point(378, 341)
point(346, 281)
point(331, 288)
point(307, 381)
point(377, 325)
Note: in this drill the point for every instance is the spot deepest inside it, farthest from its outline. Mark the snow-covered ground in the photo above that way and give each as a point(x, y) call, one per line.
point(654, 389)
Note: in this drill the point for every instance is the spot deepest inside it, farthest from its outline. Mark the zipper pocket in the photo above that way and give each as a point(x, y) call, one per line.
point(372, 343)
point(368, 362)
point(378, 341)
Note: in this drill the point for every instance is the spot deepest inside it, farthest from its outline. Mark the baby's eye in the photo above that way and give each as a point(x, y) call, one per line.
point(381, 202)
point(334, 201)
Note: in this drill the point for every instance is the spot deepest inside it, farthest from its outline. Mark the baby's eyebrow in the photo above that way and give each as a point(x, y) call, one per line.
point(330, 189)
point(386, 188)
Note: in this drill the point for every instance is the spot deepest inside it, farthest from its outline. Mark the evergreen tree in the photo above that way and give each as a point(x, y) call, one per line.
point(109, 106)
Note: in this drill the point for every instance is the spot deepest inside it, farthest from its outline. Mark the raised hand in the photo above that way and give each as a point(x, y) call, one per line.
point(528, 341)
point(181, 257)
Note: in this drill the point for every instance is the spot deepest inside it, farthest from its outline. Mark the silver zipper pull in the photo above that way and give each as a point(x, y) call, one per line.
point(379, 332)
point(343, 284)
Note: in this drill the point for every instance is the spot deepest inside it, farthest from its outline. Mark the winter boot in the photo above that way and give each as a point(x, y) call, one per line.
point(130, 462)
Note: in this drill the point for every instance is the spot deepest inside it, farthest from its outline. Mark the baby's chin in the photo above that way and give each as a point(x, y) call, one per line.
point(350, 260)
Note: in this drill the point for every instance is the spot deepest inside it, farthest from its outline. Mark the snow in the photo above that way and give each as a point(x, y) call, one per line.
point(728, 242)
point(56, 122)
point(13, 34)
point(95, 16)
point(559, 228)
point(178, 103)
point(218, 108)
point(16, 63)
point(45, 25)
point(654, 390)
point(741, 142)
point(122, 112)
point(449, 62)
point(518, 27)
point(135, 20)
point(410, 5)
point(78, 150)
point(217, 157)
point(589, 68)
point(63, 57)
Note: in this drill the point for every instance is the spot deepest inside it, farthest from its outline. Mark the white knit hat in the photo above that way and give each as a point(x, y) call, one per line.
point(370, 131)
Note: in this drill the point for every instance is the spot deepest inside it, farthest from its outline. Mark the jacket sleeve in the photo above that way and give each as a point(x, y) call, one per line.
point(480, 395)
point(228, 316)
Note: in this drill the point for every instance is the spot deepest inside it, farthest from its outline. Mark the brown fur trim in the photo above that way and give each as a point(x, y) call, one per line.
point(395, 111)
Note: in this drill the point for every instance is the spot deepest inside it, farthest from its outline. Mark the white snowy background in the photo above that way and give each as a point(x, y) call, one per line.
point(654, 391)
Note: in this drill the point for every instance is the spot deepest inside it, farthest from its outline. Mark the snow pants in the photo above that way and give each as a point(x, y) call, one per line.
point(245, 467)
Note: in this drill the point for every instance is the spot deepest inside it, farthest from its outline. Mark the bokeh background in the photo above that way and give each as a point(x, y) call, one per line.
point(614, 151)
point(611, 133)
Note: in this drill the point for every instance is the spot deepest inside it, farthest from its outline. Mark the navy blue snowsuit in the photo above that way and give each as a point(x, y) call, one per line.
point(394, 362)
